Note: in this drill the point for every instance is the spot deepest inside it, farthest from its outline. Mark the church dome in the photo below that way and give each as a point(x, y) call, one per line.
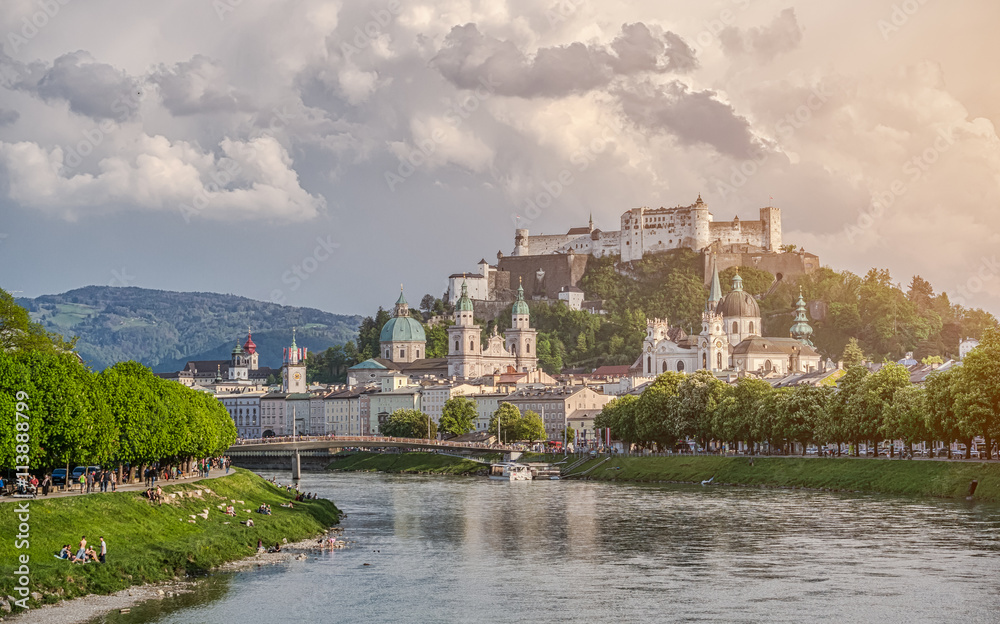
point(738, 302)
point(249, 346)
point(520, 306)
point(402, 328)
point(464, 303)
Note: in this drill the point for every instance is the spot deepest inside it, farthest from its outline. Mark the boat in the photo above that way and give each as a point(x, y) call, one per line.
point(510, 471)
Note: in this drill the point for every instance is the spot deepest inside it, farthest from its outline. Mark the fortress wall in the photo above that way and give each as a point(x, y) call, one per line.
point(788, 265)
point(560, 270)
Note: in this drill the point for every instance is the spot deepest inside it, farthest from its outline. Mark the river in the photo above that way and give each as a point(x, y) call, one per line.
point(465, 549)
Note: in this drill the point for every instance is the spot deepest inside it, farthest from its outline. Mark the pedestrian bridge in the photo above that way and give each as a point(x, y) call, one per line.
point(291, 445)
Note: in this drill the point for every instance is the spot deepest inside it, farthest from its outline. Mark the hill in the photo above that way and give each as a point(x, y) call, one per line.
point(164, 329)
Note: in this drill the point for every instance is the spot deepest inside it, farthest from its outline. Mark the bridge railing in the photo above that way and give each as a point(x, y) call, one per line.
point(367, 440)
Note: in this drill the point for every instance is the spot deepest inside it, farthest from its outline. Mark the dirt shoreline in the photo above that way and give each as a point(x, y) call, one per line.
point(85, 608)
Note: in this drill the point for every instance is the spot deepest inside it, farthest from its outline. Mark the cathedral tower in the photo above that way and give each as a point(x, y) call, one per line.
point(521, 339)
point(464, 352)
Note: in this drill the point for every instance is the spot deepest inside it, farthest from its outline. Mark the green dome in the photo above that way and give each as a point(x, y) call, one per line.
point(401, 328)
point(464, 304)
point(520, 307)
point(237, 350)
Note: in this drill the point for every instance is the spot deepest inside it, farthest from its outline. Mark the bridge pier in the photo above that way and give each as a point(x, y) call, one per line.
point(296, 466)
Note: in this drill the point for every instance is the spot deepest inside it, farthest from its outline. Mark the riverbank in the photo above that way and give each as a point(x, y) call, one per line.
point(941, 479)
point(188, 535)
point(407, 463)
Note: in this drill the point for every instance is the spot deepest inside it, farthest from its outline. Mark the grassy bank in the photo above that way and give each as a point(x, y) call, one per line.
point(408, 463)
point(150, 543)
point(917, 478)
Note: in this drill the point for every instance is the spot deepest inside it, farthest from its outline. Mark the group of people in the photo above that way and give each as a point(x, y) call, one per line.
point(84, 554)
point(154, 494)
point(275, 549)
point(28, 486)
point(301, 496)
point(102, 478)
point(264, 509)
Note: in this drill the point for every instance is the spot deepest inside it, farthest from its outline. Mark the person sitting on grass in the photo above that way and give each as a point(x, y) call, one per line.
point(159, 495)
point(247, 522)
point(64, 553)
point(230, 511)
point(90, 555)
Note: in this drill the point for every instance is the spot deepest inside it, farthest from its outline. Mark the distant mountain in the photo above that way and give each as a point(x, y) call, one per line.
point(164, 329)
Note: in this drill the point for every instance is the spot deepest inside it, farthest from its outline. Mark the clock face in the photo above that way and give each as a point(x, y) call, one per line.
point(297, 376)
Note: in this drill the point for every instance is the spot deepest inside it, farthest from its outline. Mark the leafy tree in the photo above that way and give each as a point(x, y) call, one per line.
point(657, 411)
point(437, 340)
point(842, 417)
point(942, 421)
point(530, 427)
point(19, 332)
point(369, 332)
point(408, 423)
point(870, 404)
point(853, 355)
point(978, 389)
point(458, 416)
point(619, 415)
point(932, 359)
point(755, 281)
point(905, 417)
point(698, 397)
point(427, 303)
point(803, 411)
point(505, 423)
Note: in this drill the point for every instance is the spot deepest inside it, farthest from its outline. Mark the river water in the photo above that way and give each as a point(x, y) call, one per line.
point(465, 549)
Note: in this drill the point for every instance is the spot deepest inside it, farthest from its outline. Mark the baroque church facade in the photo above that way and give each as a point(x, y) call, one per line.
point(730, 339)
point(467, 358)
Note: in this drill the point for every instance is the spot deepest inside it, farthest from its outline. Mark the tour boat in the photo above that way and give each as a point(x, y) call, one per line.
point(510, 471)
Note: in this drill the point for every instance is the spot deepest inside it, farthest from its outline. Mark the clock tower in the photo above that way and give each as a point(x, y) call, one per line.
point(293, 369)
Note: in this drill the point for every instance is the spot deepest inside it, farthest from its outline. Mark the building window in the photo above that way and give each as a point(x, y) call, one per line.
point(527, 347)
point(718, 361)
point(680, 366)
point(751, 327)
point(402, 353)
point(456, 346)
point(418, 354)
point(736, 328)
point(472, 345)
point(664, 367)
point(649, 364)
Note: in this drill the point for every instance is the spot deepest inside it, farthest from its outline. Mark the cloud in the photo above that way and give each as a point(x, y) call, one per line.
point(198, 86)
point(253, 179)
point(93, 89)
point(469, 57)
point(693, 117)
point(8, 117)
point(782, 35)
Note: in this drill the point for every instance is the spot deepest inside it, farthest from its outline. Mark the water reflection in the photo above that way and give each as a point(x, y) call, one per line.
point(467, 550)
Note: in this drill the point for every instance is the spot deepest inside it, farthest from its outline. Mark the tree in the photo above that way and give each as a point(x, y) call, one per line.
point(978, 390)
point(905, 417)
point(942, 421)
point(427, 303)
point(531, 427)
point(369, 332)
point(409, 423)
point(790, 248)
point(755, 281)
point(842, 422)
point(804, 410)
point(853, 355)
point(19, 333)
point(619, 416)
point(870, 404)
point(458, 416)
point(698, 397)
point(657, 411)
point(505, 422)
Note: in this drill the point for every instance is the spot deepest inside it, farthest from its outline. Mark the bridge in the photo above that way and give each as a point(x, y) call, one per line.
point(294, 448)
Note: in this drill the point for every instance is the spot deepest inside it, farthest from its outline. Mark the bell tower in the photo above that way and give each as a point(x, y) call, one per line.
point(521, 339)
point(464, 349)
point(293, 369)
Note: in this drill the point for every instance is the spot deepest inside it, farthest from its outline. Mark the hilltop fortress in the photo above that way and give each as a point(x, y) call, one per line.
point(653, 230)
point(550, 266)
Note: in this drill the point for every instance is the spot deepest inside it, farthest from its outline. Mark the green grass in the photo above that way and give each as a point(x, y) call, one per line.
point(149, 543)
point(410, 463)
point(917, 478)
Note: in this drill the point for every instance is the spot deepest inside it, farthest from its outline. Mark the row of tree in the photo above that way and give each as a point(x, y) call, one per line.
point(122, 415)
point(54, 411)
point(959, 404)
point(458, 417)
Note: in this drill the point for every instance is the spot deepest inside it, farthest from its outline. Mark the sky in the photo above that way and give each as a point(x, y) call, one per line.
point(320, 154)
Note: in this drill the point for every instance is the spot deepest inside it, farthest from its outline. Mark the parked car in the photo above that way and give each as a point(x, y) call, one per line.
point(79, 470)
point(59, 476)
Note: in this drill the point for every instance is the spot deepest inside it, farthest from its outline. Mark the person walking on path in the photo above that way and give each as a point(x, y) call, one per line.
point(90, 481)
point(46, 483)
point(83, 482)
point(104, 550)
point(114, 479)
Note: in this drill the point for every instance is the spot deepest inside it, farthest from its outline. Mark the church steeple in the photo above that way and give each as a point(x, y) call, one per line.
point(715, 291)
point(402, 307)
point(737, 281)
point(801, 330)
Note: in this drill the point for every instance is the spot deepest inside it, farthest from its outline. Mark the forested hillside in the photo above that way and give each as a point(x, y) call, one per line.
point(163, 329)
